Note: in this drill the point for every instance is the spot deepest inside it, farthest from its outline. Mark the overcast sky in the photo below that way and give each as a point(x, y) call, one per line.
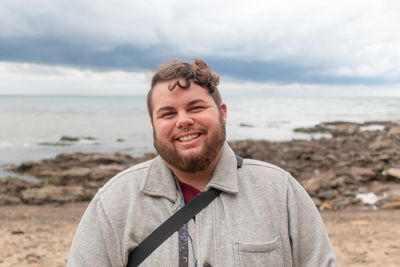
point(111, 47)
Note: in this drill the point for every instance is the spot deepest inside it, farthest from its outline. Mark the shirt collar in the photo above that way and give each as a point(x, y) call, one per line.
point(160, 182)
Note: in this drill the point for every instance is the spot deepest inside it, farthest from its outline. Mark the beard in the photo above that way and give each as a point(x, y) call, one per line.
point(197, 162)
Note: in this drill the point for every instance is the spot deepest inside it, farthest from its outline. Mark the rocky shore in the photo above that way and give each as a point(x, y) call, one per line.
point(358, 166)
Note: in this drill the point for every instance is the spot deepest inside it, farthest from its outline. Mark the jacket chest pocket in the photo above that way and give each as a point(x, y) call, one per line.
point(259, 254)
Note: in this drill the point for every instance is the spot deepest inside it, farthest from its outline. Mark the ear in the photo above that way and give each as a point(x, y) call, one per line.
point(223, 110)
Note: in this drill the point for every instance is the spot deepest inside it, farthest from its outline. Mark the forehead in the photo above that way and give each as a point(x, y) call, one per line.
point(163, 96)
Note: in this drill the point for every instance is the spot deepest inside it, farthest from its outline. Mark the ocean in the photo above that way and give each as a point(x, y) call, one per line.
point(31, 126)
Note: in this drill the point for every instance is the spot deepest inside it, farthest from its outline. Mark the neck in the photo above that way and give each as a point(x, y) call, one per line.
point(198, 180)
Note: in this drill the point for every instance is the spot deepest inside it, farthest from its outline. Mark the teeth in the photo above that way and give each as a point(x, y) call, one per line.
point(188, 137)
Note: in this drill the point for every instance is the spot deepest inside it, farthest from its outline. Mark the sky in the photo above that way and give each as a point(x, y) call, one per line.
point(112, 47)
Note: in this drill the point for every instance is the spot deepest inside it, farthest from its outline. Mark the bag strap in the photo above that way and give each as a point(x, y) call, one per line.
point(173, 223)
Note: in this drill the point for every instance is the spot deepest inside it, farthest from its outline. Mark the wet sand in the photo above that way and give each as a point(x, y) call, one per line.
point(41, 235)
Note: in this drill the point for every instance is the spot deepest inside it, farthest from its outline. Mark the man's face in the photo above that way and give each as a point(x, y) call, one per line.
point(188, 126)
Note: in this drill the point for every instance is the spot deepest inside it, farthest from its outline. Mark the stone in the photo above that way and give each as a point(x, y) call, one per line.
point(66, 138)
point(103, 172)
point(12, 186)
point(326, 206)
point(391, 205)
point(394, 172)
point(33, 258)
point(346, 129)
point(333, 170)
point(51, 193)
point(312, 185)
point(342, 202)
point(318, 180)
point(339, 182)
point(394, 131)
point(317, 201)
point(362, 173)
point(9, 200)
point(380, 145)
point(328, 194)
point(393, 198)
point(246, 125)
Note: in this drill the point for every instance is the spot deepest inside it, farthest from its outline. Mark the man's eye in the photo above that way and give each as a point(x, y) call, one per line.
point(197, 108)
point(167, 115)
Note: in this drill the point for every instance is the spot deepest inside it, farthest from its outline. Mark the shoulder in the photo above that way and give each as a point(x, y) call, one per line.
point(264, 175)
point(128, 180)
point(261, 167)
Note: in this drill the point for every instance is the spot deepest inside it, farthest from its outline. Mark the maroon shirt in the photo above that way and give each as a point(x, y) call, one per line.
point(188, 191)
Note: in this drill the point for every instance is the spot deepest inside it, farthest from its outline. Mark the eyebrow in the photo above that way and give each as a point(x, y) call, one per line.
point(165, 108)
point(196, 101)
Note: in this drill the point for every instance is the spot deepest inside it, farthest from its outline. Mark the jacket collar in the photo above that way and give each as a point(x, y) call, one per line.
point(160, 181)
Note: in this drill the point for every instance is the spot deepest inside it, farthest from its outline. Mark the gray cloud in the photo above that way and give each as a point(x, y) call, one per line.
point(308, 41)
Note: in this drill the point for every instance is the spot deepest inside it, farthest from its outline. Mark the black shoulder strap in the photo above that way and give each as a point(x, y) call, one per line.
point(173, 223)
point(239, 161)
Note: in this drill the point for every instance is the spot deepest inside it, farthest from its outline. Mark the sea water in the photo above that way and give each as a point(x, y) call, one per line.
point(31, 126)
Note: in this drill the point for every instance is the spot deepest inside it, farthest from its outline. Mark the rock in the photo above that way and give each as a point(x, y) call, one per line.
point(328, 194)
point(55, 144)
point(318, 180)
point(246, 125)
point(302, 130)
point(13, 186)
point(346, 129)
point(33, 258)
point(390, 202)
point(103, 172)
point(75, 173)
point(394, 131)
point(337, 203)
point(394, 172)
point(326, 206)
point(17, 232)
point(361, 173)
point(380, 145)
point(317, 201)
point(53, 193)
point(89, 138)
point(339, 182)
point(391, 205)
point(313, 184)
point(342, 202)
point(9, 200)
point(355, 159)
point(66, 138)
point(393, 198)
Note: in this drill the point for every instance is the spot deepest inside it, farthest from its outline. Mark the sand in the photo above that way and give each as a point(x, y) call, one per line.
point(41, 235)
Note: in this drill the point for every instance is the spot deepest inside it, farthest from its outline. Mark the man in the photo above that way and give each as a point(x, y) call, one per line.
point(262, 216)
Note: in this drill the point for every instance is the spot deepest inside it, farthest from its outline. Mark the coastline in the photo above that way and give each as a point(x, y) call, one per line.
point(357, 166)
point(40, 215)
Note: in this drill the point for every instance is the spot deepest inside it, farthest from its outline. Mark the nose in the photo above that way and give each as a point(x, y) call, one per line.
point(184, 121)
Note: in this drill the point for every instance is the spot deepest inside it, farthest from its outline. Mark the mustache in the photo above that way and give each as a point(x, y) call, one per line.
point(190, 129)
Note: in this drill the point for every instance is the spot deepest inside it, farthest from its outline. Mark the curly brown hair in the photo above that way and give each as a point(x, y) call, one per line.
point(198, 72)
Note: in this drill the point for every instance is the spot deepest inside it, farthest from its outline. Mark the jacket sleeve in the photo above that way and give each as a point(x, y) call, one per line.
point(95, 242)
point(309, 239)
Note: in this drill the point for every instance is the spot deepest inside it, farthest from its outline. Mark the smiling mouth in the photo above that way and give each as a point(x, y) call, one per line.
point(188, 138)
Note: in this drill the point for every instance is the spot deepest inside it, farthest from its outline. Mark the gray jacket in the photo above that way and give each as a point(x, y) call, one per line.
point(263, 217)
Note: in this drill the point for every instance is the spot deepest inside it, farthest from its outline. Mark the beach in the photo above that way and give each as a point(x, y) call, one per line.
point(352, 176)
point(40, 236)
point(53, 163)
